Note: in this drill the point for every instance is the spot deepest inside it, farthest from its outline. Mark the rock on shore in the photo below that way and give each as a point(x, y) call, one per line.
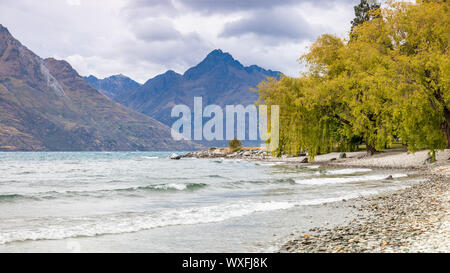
point(246, 153)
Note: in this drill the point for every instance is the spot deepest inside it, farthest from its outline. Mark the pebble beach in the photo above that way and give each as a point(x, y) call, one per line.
point(412, 220)
point(415, 219)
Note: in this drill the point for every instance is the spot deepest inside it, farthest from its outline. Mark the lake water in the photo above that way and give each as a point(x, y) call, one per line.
point(143, 201)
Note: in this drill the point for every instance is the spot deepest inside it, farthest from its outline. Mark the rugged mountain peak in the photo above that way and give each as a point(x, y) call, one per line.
point(21, 63)
point(112, 86)
point(76, 118)
point(117, 77)
point(218, 55)
point(160, 82)
point(63, 66)
point(113, 77)
point(14, 57)
point(91, 77)
point(171, 73)
point(215, 60)
point(3, 29)
point(219, 79)
point(167, 76)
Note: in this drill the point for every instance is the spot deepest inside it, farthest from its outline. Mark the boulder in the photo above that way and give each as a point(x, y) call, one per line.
point(305, 160)
point(218, 152)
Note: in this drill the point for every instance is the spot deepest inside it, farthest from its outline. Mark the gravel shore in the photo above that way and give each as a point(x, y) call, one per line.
point(414, 219)
point(398, 159)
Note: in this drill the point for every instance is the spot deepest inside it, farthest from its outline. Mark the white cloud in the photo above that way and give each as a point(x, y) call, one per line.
point(142, 38)
point(73, 2)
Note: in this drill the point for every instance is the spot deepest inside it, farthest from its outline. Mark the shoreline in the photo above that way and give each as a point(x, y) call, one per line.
point(409, 217)
point(415, 219)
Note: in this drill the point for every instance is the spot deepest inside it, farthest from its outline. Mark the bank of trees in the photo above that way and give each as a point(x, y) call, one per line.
point(387, 82)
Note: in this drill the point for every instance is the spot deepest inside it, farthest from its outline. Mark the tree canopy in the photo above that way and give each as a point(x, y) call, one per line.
point(388, 81)
point(363, 11)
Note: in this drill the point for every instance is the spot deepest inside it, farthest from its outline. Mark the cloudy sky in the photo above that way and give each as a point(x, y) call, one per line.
point(143, 38)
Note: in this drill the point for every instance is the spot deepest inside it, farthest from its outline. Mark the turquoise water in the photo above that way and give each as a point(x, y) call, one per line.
point(56, 196)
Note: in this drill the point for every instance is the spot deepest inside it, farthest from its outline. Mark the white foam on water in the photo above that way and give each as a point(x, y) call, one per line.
point(348, 171)
point(74, 185)
point(133, 222)
point(61, 228)
point(180, 187)
point(270, 163)
point(101, 191)
point(347, 196)
point(350, 179)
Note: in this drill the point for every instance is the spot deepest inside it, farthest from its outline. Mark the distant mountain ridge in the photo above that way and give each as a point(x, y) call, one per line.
point(46, 105)
point(112, 86)
point(218, 79)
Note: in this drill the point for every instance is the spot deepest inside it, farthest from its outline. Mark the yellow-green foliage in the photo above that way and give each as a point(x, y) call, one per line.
point(234, 145)
point(389, 80)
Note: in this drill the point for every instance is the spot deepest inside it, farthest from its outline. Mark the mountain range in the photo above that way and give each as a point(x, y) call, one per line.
point(113, 86)
point(46, 105)
point(219, 79)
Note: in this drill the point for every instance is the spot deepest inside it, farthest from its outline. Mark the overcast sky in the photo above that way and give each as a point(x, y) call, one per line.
point(143, 38)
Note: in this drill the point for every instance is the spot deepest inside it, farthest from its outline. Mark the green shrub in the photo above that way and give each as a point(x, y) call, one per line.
point(235, 145)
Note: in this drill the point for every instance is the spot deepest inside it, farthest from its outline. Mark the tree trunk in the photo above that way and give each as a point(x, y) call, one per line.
point(447, 133)
point(370, 150)
point(446, 125)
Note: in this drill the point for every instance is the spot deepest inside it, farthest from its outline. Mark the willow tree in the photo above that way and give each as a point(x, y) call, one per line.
point(420, 34)
point(388, 80)
point(355, 85)
point(343, 97)
point(367, 80)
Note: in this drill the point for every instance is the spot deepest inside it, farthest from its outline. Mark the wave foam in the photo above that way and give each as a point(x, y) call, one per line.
point(119, 223)
point(133, 222)
point(339, 180)
point(101, 192)
point(348, 171)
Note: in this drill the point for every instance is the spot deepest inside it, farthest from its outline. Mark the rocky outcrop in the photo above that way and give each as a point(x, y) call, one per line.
point(245, 153)
point(175, 156)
